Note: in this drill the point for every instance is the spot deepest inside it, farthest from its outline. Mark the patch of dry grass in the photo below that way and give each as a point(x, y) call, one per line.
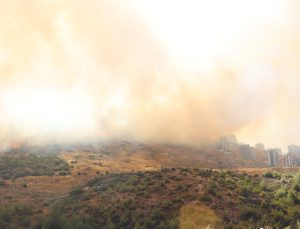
point(199, 216)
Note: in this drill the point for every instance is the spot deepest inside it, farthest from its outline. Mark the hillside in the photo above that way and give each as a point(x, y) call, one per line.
point(124, 153)
point(133, 185)
point(171, 198)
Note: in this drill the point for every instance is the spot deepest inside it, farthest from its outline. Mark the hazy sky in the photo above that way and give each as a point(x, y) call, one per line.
point(181, 71)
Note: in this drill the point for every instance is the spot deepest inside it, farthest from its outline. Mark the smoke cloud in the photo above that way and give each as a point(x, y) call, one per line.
point(75, 70)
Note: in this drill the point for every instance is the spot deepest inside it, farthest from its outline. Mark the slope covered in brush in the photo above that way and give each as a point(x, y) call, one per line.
point(161, 199)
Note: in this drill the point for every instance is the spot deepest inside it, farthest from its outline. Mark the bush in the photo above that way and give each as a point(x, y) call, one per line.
point(79, 222)
point(126, 188)
point(64, 173)
point(296, 187)
point(205, 198)
point(76, 191)
point(2, 183)
point(268, 175)
point(280, 219)
point(245, 191)
point(157, 214)
point(212, 189)
point(20, 214)
point(250, 212)
point(148, 223)
point(281, 192)
point(272, 175)
point(30, 165)
point(204, 173)
point(55, 221)
point(293, 197)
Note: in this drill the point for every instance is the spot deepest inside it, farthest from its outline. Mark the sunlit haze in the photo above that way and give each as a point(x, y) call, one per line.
point(164, 71)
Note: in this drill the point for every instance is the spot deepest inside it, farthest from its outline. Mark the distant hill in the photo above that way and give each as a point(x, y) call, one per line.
point(169, 155)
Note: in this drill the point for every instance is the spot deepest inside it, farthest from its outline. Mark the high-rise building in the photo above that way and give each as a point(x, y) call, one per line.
point(259, 147)
point(293, 156)
point(227, 143)
point(289, 160)
point(273, 156)
point(293, 149)
point(247, 152)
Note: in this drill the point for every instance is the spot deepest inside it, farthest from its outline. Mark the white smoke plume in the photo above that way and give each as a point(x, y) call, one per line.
point(77, 70)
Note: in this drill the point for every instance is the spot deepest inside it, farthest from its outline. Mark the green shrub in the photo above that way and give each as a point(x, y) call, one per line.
point(280, 219)
point(205, 173)
point(272, 175)
point(212, 188)
point(76, 191)
point(296, 187)
point(281, 192)
point(245, 191)
point(2, 183)
point(250, 212)
point(30, 165)
point(205, 198)
point(157, 214)
point(55, 221)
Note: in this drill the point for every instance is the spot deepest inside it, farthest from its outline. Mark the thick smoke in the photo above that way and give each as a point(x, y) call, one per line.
point(82, 70)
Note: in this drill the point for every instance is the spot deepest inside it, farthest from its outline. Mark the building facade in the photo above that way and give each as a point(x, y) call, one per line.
point(273, 156)
point(292, 158)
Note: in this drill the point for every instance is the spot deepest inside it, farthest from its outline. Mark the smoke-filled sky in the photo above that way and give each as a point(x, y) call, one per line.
point(182, 71)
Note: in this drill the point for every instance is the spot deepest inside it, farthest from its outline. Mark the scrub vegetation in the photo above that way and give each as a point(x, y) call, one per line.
point(16, 166)
point(162, 199)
